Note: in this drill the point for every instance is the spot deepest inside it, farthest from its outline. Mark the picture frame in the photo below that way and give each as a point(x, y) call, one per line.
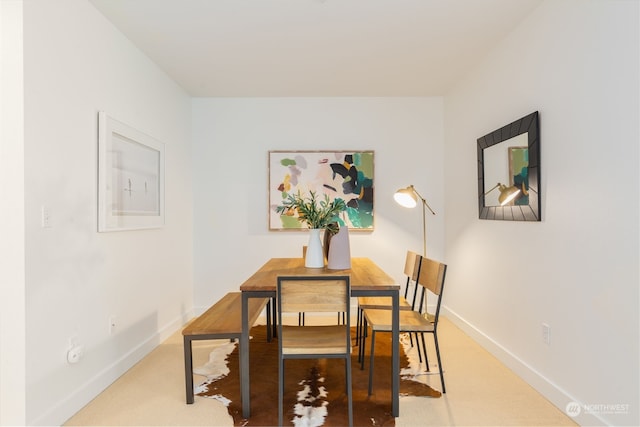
point(130, 177)
point(345, 174)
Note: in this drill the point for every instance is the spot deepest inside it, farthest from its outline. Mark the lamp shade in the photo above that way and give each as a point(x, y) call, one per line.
point(406, 197)
point(507, 194)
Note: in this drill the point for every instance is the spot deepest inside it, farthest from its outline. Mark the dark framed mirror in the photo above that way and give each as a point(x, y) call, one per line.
point(509, 172)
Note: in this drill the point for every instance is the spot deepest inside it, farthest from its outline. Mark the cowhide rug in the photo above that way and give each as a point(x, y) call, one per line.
point(314, 389)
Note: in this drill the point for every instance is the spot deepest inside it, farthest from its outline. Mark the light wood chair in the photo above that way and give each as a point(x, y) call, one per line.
point(431, 278)
point(412, 271)
point(317, 294)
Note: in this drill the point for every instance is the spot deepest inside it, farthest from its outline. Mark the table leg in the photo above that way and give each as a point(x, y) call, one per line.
point(245, 390)
point(395, 359)
point(268, 313)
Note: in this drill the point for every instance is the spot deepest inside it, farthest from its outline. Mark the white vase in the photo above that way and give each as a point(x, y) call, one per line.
point(315, 255)
point(339, 257)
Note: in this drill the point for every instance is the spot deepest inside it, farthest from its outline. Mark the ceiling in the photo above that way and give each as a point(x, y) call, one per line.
point(269, 48)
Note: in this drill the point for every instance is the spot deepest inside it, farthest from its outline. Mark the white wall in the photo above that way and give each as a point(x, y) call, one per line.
point(577, 63)
point(12, 277)
point(75, 64)
point(231, 140)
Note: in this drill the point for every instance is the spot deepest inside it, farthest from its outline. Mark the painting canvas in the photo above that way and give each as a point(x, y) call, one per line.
point(519, 173)
point(135, 175)
point(131, 173)
point(339, 174)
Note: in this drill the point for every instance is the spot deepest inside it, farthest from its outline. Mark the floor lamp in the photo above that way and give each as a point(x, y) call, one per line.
point(408, 197)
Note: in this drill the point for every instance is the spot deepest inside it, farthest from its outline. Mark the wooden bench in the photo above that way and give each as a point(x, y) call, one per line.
point(223, 320)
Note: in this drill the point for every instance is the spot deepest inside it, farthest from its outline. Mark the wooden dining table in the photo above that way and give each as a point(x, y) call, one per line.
point(367, 279)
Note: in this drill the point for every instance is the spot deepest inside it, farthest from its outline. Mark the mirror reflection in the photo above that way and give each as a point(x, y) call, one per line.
point(506, 180)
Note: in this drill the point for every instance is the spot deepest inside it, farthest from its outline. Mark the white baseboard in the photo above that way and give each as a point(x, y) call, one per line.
point(69, 405)
point(556, 395)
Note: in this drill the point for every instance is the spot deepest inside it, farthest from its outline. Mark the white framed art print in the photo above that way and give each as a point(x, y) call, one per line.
point(130, 177)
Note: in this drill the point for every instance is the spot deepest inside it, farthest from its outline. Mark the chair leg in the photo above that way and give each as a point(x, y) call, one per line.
point(358, 327)
point(417, 345)
point(424, 350)
point(360, 350)
point(359, 332)
point(373, 342)
point(435, 340)
point(363, 342)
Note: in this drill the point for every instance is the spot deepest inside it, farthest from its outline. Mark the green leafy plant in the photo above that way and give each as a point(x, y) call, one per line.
point(314, 212)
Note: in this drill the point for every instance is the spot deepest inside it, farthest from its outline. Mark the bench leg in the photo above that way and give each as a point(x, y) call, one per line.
point(188, 369)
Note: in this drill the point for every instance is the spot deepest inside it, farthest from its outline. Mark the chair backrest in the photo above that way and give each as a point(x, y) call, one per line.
point(320, 294)
point(432, 275)
point(412, 266)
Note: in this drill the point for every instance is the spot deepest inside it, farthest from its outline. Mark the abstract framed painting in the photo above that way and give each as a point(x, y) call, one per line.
point(348, 175)
point(130, 177)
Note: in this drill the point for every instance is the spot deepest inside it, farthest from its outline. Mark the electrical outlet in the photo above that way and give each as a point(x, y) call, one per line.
point(45, 217)
point(546, 334)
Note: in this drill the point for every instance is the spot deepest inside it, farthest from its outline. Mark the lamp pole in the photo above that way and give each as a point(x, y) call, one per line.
point(424, 221)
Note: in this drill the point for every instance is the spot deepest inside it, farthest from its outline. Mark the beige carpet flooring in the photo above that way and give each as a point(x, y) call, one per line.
point(480, 392)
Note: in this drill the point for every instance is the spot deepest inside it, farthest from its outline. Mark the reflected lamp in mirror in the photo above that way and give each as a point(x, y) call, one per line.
point(507, 194)
point(510, 155)
point(408, 198)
